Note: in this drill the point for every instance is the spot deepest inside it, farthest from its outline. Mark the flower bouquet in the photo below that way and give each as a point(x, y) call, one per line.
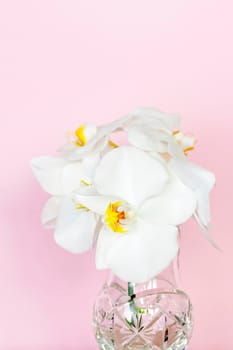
point(129, 202)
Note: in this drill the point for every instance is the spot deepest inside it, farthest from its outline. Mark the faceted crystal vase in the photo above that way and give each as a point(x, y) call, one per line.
point(155, 315)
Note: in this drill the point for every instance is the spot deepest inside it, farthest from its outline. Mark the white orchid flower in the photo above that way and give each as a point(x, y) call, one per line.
point(88, 139)
point(59, 176)
point(156, 132)
point(141, 204)
point(74, 224)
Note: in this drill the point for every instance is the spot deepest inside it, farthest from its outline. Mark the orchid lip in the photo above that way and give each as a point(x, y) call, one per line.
point(186, 141)
point(80, 135)
point(118, 216)
point(80, 207)
point(83, 134)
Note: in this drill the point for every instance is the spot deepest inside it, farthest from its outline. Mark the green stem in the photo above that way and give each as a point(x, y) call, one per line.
point(131, 289)
point(131, 294)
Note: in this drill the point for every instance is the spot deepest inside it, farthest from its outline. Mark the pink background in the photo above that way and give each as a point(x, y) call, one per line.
point(65, 61)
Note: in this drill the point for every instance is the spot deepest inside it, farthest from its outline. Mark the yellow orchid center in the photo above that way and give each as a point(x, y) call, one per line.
point(81, 138)
point(112, 144)
point(80, 206)
point(115, 216)
point(85, 183)
point(84, 133)
point(187, 142)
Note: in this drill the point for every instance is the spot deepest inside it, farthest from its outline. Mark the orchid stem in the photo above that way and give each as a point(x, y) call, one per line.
point(131, 289)
point(131, 294)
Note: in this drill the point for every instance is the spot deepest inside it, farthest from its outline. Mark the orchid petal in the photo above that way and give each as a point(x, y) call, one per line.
point(175, 150)
point(95, 203)
point(149, 139)
point(200, 181)
point(139, 254)
point(205, 231)
point(97, 143)
point(75, 228)
point(155, 119)
point(50, 211)
point(55, 175)
point(116, 125)
point(174, 206)
point(130, 174)
point(89, 164)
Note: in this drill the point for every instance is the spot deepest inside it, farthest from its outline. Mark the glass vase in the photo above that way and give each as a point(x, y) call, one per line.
point(155, 315)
